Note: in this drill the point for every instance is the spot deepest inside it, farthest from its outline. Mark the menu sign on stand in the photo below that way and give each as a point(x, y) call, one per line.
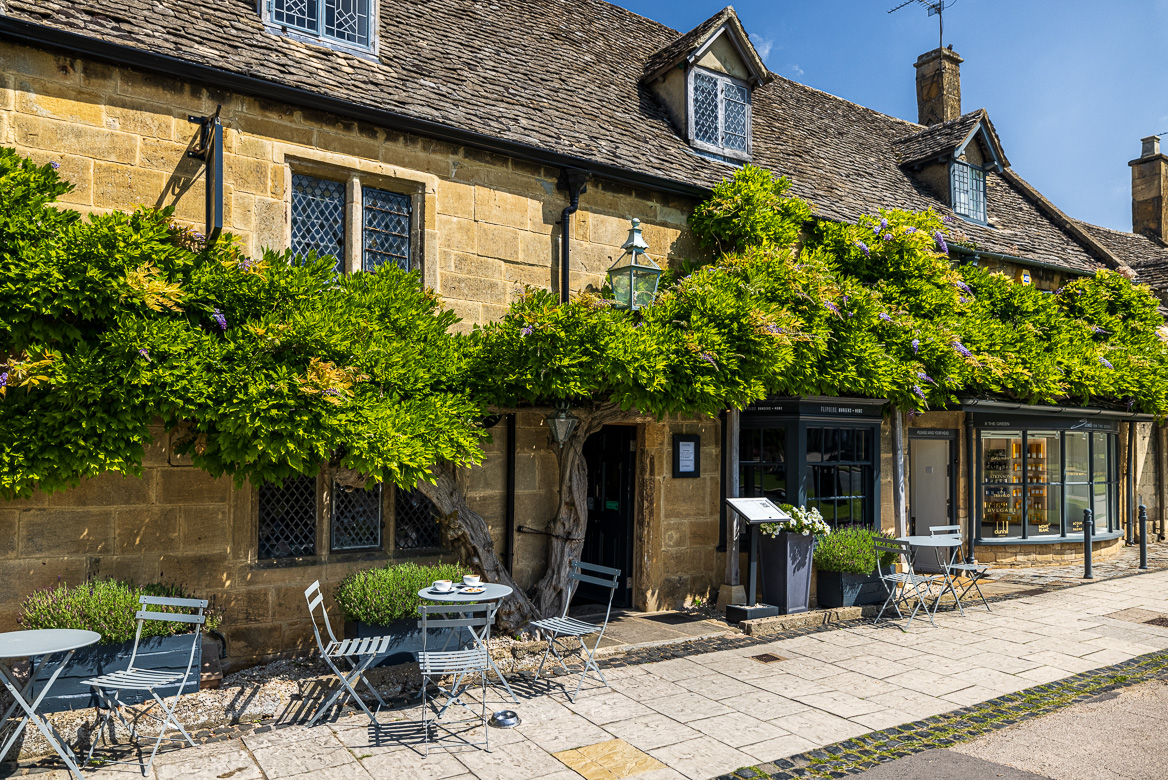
point(755, 511)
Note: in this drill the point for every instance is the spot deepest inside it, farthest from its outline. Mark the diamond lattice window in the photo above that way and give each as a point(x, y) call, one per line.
point(287, 518)
point(356, 521)
point(318, 217)
point(969, 191)
point(415, 524)
point(344, 21)
point(386, 229)
point(721, 113)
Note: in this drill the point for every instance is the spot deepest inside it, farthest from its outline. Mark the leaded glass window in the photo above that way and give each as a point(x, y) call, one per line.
point(415, 522)
point(345, 21)
point(356, 521)
point(385, 234)
point(318, 217)
point(721, 112)
point(287, 518)
point(969, 191)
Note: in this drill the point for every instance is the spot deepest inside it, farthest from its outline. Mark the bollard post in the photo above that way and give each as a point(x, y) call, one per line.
point(1143, 537)
point(1088, 529)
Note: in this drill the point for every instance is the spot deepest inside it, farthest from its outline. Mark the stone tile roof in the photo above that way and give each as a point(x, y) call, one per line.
point(1147, 255)
point(564, 76)
point(675, 50)
point(940, 140)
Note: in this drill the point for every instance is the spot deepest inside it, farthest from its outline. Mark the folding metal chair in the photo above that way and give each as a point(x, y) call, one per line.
point(564, 626)
point(109, 686)
point(958, 568)
point(903, 586)
point(436, 664)
point(359, 654)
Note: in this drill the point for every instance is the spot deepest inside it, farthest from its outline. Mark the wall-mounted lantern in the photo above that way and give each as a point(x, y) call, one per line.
point(634, 277)
point(562, 422)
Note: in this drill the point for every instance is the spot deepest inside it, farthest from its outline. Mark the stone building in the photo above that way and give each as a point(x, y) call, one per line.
point(491, 146)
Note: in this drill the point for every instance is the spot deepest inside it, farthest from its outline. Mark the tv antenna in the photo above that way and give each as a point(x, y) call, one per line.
point(936, 8)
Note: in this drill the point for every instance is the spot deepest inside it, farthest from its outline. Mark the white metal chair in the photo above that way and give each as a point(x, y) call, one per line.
point(567, 627)
point(359, 654)
point(958, 568)
point(459, 664)
point(903, 586)
point(134, 678)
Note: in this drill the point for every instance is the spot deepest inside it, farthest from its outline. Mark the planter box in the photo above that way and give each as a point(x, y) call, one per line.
point(785, 571)
point(164, 654)
point(407, 635)
point(841, 589)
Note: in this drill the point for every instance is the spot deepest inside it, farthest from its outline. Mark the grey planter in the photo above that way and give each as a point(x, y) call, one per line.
point(163, 653)
point(842, 589)
point(785, 570)
point(407, 635)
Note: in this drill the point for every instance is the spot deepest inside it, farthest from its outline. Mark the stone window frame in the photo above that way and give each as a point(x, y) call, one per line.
point(266, 11)
point(720, 149)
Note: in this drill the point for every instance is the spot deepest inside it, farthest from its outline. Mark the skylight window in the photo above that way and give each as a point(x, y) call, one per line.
point(721, 114)
point(345, 22)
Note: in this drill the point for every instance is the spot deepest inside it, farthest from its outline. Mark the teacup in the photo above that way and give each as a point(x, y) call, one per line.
point(471, 580)
point(443, 586)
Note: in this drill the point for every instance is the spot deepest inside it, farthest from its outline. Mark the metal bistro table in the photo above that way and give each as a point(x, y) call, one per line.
point(43, 643)
point(950, 542)
point(458, 595)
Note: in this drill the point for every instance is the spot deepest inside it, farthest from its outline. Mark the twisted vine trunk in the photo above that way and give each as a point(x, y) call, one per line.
point(466, 533)
point(566, 531)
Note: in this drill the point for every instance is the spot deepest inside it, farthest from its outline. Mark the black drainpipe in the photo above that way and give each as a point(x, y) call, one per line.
point(971, 476)
point(574, 180)
point(509, 554)
point(1130, 532)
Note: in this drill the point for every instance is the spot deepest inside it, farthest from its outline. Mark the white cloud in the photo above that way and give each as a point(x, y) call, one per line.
point(796, 70)
point(762, 45)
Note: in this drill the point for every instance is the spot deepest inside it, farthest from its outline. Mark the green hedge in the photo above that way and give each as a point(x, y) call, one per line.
point(849, 550)
point(379, 596)
point(107, 607)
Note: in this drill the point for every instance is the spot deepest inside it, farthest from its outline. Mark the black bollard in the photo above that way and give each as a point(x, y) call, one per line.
point(1088, 529)
point(1143, 537)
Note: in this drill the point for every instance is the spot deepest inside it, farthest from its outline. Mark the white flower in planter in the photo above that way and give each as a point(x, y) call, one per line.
point(803, 521)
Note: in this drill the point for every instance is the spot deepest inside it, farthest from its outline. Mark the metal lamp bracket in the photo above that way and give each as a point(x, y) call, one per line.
point(208, 147)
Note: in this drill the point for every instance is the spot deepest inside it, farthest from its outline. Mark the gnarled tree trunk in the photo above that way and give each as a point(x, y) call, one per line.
point(566, 531)
point(466, 533)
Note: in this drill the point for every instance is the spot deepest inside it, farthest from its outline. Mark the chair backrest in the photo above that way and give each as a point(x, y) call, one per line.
point(315, 601)
point(457, 616)
point(194, 615)
point(945, 530)
point(902, 551)
point(593, 574)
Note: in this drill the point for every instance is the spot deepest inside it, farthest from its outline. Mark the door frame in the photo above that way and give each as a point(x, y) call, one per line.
point(953, 436)
point(629, 573)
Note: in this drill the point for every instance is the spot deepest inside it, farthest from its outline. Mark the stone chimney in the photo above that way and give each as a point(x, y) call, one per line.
point(1149, 190)
point(938, 86)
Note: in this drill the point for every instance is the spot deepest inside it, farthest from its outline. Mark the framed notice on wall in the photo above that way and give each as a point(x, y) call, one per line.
point(687, 455)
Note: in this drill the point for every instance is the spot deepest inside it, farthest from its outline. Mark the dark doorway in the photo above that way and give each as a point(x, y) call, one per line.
point(611, 455)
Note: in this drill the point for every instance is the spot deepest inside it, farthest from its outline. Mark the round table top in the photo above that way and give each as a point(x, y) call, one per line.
point(943, 540)
point(44, 641)
point(491, 592)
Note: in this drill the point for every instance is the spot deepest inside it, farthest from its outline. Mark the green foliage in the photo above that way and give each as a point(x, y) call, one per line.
point(378, 596)
point(265, 367)
point(107, 607)
point(751, 210)
point(849, 550)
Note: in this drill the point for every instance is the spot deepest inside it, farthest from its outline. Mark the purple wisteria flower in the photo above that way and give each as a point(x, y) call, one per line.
point(526, 330)
point(948, 220)
point(220, 320)
point(864, 248)
point(941, 245)
point(884, 316)
point(246, 264)
point(831, 307)
point(772, 329)
point(144, 353)
point(910, 230)
point(706, 356)
point(1130, 403)
point(918, 392)
point(332, 391)
point(916, 345)
point(963, 299)
point(925, 377)
point(960, 349)
point(883, 224)
point(4, 379)
point(887, 236)
point(964, 287)
point(199, 236)
point(56, 165)
point(1106, 362)
point(1097, 329)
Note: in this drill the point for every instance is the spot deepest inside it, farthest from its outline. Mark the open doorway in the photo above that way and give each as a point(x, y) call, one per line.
point(611, 455)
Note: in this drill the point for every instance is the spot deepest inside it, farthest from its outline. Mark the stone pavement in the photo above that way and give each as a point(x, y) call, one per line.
point(1125, 563)
point(704, 715)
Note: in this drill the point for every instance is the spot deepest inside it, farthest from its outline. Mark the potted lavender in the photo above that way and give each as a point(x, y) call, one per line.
point(785, 556)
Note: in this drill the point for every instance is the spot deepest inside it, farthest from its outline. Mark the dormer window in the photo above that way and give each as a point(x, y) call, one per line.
point(347, 24)
point(968, 185)
point(721, 113)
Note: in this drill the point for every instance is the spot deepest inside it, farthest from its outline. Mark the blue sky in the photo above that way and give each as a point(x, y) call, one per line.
point(1071, 86)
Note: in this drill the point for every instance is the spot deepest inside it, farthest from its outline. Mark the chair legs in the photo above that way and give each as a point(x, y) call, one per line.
point(454, 696)
point(356, 675)
point(113, 708)
point(588, 656)
point(899, 594)
point(973, 585)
